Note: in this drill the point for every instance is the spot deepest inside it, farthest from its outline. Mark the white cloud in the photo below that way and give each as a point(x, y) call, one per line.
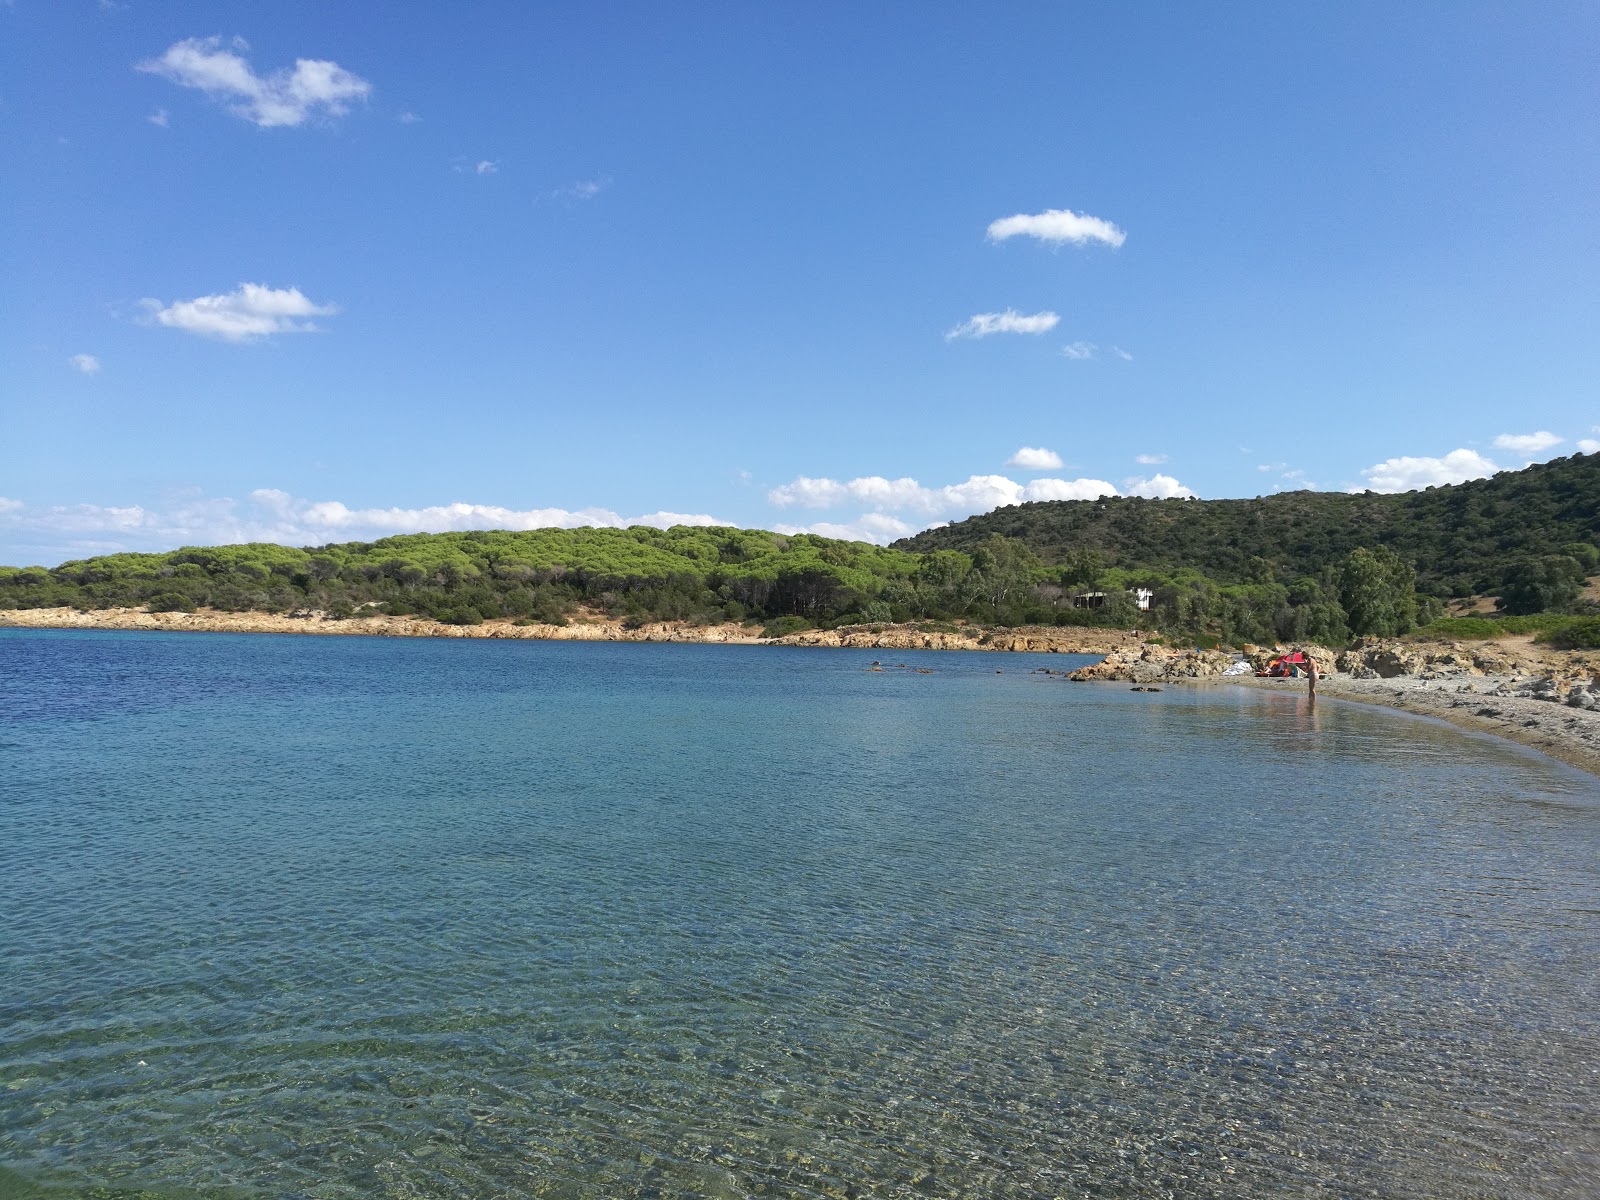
point(1035, 458)
point(934, 505)
point(269, 515)
point(281, 99)
point(979, 493)
point(487, 167)
point(248, 312)
point(1589, 445)
point(408, 118)
point(1122, 354)
point(1067, 489)
point(1158, 487)
point(159, 117)
point(1079, 351)
point(1010, 321)
point(869, 527)
point(87, 363)
point(1528, 443)
point(1407, 474)
point(1150, 460)
point(1058, 225)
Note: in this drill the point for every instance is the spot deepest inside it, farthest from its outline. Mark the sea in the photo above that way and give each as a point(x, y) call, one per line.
point(363, 917)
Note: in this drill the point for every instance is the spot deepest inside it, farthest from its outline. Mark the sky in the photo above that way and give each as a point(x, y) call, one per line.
point(300, 273)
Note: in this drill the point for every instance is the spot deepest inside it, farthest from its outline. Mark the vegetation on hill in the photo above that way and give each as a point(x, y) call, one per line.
point(1462, 539)
point(1295, 567)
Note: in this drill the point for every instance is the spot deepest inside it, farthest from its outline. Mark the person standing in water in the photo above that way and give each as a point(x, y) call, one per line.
point(1311, 674)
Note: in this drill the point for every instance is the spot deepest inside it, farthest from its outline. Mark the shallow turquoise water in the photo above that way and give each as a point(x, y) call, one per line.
point(338, 917)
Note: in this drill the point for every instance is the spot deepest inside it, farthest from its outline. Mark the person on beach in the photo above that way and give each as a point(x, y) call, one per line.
point(1311, 674)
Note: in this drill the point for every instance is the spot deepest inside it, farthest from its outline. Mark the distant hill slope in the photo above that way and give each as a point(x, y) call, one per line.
point(1460, 537)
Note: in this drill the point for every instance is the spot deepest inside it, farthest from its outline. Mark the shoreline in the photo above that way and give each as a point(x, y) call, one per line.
point(1568, 735)
point(1478, 703)
point(586, 628)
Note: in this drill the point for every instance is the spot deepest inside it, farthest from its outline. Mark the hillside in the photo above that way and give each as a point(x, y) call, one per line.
point(681, 573)
point(1461, 537)
point(1297, 566)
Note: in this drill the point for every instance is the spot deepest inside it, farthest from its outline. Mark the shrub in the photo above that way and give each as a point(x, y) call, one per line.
point(1477, 629)
point(169, 602)
point(1580, 633)
point(784, 626)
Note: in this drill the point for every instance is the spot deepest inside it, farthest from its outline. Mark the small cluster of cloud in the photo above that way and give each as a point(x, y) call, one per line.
point(1407, 473)
point(1035, 458)
point(270, 515)
point(1150, 460)
point(930, 506)
point(283, 98)
point(249, 312)
point(1057, 226)
point(584, 189)
point(1158, 487)
point(1083, 351)
point(87, 364)
point(1528, 443)
point(158, 118)
point(1290, 479)
point(982, 325)
point(486, 166)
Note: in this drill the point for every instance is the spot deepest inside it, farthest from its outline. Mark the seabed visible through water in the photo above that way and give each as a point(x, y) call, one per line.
point(356, 917)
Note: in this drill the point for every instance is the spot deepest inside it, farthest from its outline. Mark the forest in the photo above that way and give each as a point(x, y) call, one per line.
point(1299, 566)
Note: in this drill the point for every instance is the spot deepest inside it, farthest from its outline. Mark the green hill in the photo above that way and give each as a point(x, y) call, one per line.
point(1300, 565)
point(1461, 538)
point(683, 573)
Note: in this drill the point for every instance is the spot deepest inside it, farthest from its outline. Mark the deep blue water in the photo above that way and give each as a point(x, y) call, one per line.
point(340, 917)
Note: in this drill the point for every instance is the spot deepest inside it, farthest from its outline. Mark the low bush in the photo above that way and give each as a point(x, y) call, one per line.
point(1577, 633)
point(169, 602)
point(784, 626)
point(1478, 629)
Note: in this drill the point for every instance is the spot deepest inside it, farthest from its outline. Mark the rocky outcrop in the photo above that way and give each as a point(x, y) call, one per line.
point(1392, 658)
point(1155, 664)
point(1038, 640)
point(590, 627)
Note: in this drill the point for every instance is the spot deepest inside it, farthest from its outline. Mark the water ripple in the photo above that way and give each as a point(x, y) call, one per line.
point(371, 918)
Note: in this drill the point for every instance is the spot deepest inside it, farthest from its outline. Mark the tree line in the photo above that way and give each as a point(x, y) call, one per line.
point(1300, 567)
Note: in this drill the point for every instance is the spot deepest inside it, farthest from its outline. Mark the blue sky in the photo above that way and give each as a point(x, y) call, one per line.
point(503, 265)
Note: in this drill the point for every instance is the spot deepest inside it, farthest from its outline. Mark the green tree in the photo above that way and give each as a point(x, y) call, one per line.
point(1378, 591)
point(1082, 567)
point(1549, 582)
point(1588, 556)
point(1004, 568)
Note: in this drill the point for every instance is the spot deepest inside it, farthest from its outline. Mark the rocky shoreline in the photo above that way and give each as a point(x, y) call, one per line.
point(588, 627)
point(1511, 687)
point(1498, 705)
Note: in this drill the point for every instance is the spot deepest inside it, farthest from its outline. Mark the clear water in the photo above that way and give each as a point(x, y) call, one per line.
point(332, 917)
